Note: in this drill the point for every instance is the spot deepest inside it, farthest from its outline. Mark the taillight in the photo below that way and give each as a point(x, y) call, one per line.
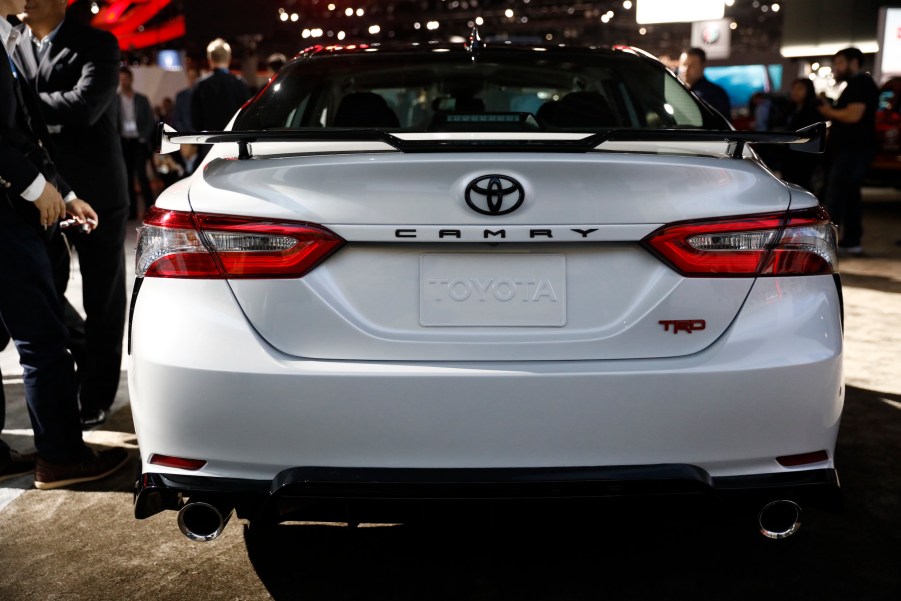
point(176, 244)
point(793, 243)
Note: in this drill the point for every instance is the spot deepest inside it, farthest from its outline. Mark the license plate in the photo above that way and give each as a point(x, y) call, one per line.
point(492, 290)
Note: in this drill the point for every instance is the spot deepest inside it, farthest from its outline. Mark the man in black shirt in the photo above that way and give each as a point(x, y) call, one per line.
point(693, 74)
point(852, 144)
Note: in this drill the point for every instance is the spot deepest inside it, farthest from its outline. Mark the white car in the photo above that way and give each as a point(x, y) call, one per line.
point(440, 272)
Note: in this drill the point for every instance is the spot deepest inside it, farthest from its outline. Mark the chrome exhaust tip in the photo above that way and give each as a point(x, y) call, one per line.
point(201, 521)
point(779, 519)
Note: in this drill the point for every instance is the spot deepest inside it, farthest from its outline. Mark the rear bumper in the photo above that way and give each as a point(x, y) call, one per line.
point(376, 494)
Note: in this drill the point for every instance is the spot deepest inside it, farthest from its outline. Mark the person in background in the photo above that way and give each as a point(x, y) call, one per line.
point(799, 167)
point(852, 146)
point(759, 108)
point(136, 130)
point(31, 203)
point(78, 99)
point(165, 111)
point(177, 165)
point(274, 64)
point(693, 63)
point(181, 117)
point(219, 95)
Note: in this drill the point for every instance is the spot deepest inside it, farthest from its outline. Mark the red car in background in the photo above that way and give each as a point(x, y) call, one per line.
point(887, 165)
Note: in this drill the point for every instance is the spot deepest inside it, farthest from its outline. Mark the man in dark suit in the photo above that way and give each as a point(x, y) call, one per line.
point(136, 126)
point(75, 71)
point(218, 96)
point(30, 204)
point(182, 119)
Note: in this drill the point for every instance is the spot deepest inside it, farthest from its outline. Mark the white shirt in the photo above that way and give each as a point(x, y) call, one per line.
point(42, 46)
point(127, 117)
point(10, 38)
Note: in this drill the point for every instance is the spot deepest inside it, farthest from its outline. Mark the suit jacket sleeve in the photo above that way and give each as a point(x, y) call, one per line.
point(96, 87)
point(15, 169)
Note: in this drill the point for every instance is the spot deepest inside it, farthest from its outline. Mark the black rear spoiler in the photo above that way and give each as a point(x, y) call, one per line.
point(810, 139)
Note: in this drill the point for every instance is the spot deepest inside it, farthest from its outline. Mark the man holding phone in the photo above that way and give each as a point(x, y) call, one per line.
point(32, 201)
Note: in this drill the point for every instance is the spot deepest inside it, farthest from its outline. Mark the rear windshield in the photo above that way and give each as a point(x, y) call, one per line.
point(448, 91)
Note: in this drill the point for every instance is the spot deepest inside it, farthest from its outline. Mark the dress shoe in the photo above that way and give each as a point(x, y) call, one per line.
point(95, 466)
point(18, 464)
point(91, 418)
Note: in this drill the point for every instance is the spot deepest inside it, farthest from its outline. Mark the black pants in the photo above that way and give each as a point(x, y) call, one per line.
point(96, 342)
point(842, 196)
point(136, 155)
point(31, 313)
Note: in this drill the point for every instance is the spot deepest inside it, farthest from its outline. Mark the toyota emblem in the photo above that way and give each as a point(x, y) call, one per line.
point(494, 195)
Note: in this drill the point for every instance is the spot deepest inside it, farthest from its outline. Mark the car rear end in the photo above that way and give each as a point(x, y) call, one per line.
point(478, 305)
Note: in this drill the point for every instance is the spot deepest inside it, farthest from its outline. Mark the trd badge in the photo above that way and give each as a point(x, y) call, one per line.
point(683, 325)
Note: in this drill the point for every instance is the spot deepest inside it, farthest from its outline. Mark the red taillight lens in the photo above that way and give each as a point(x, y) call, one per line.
point(175, 244)
point(793, 243)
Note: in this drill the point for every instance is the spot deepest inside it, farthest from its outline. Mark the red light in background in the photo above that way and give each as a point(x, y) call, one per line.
point(127, 20)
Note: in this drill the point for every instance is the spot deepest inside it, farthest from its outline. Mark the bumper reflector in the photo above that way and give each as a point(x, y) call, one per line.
point(177, 462)
point(803, 459)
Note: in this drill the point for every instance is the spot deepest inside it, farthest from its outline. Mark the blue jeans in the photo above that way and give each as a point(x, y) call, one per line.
point(31, 312)
point(842, 195)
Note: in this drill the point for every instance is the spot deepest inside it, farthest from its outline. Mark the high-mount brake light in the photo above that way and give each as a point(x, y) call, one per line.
point(176, 244)
point(794, 243)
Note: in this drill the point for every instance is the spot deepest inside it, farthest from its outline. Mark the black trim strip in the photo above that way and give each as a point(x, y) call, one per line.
point(131, 309)
point(490, 483)
point(780, 480)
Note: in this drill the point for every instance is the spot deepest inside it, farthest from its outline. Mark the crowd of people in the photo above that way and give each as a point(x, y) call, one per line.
point(75, 151)
point(220, 95)
point(851, 145)
point(206, 104)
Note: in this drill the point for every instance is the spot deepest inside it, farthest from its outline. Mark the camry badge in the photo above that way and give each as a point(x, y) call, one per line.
point(494, 195)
